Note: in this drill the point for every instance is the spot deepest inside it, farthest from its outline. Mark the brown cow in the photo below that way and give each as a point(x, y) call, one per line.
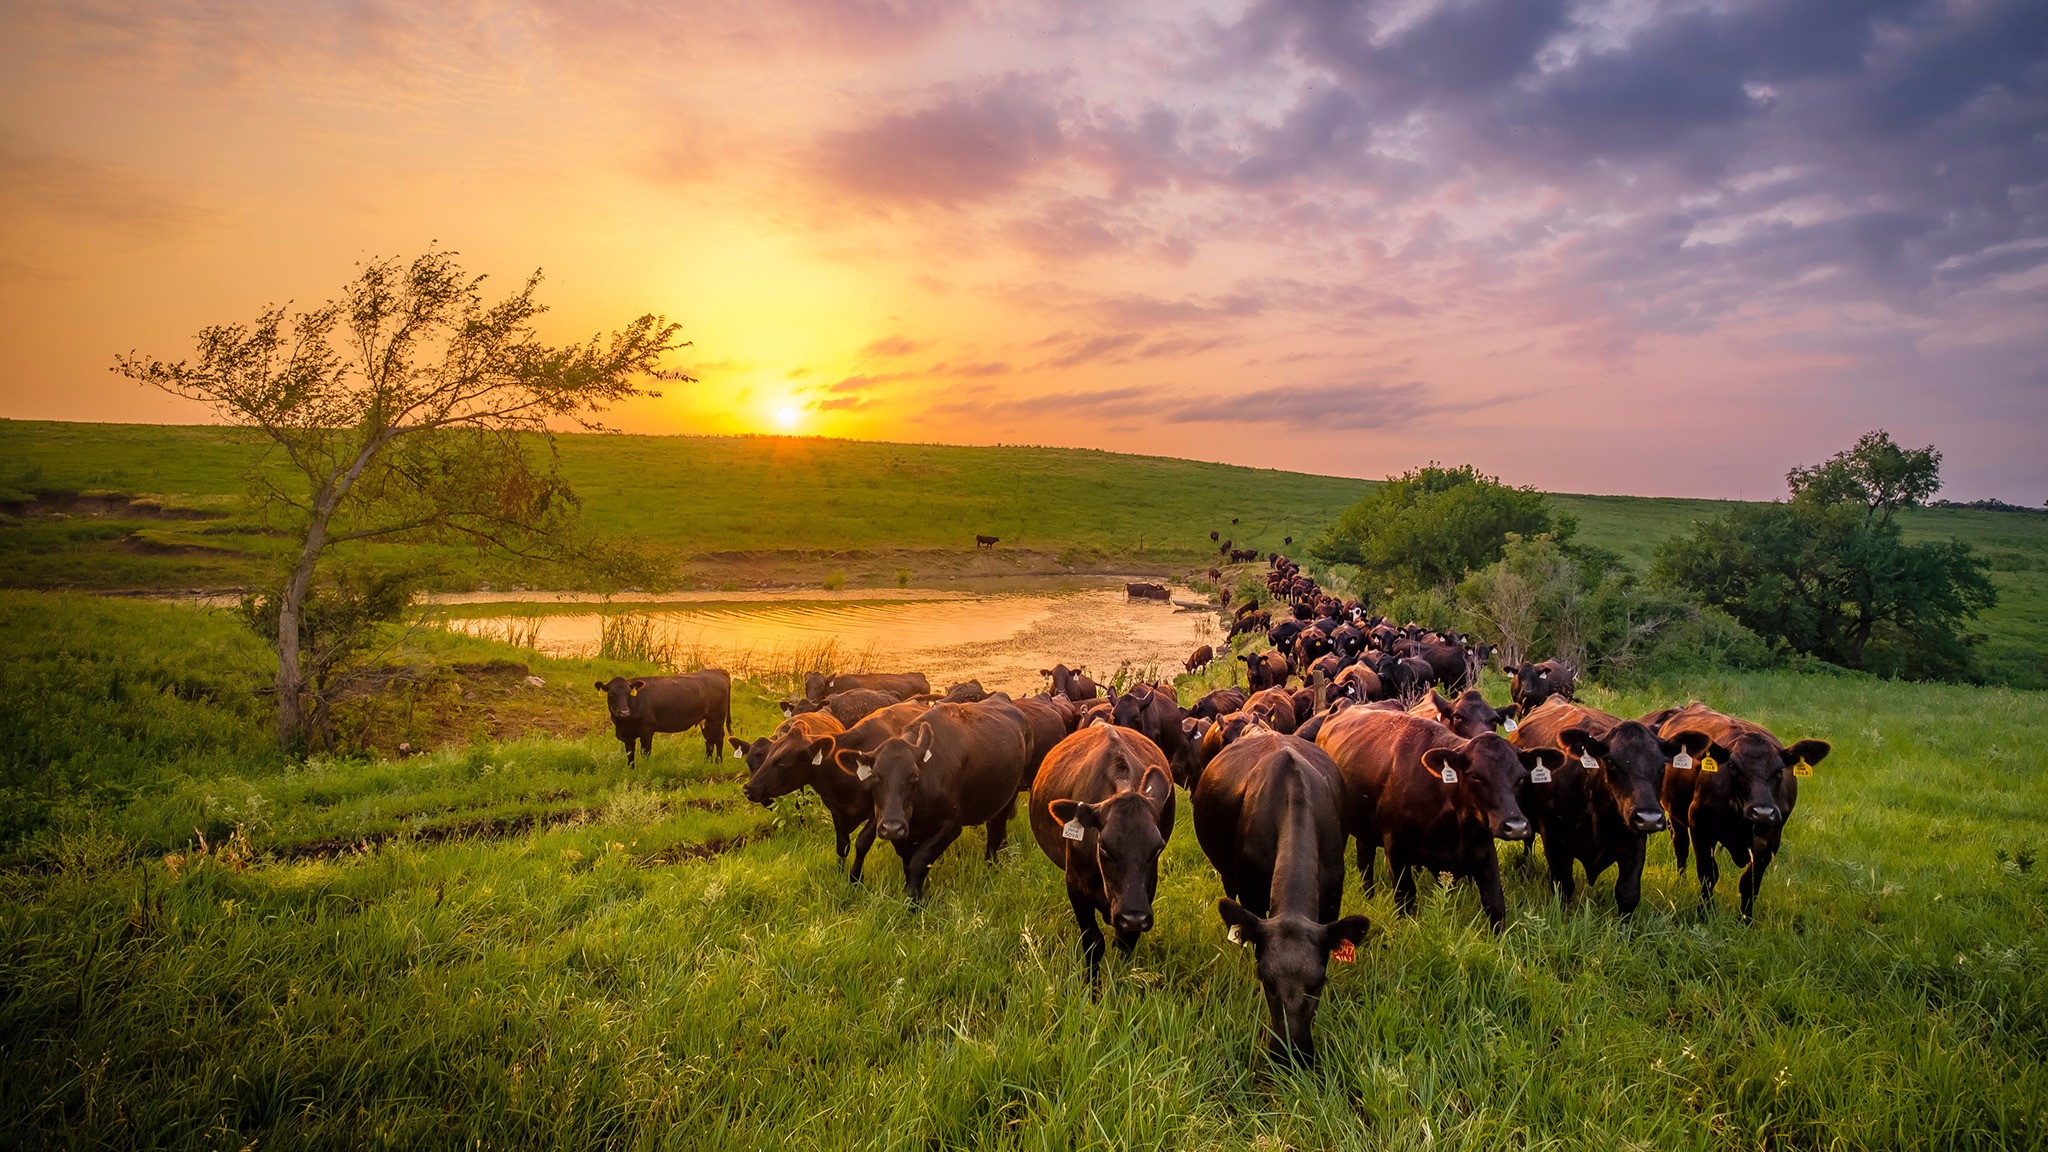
point(958, 764)
point(1274, 708)
point(1047, 721)
point(1266, 669)
point(1602, 806)
point(641, 707)
point(1069, 682)
point(849, 708)
point(1269, 814)
point(1358, 682)
point(902, 685)
point(1468, 716)
point(1102, 809)
point(1736, 790)
point(1218, 703)
point(1200, 657)
point(1144, 591)
point(1431, 799)
point(1152, 711)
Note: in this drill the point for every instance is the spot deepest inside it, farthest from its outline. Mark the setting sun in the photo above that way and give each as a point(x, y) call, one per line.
point(786, 416)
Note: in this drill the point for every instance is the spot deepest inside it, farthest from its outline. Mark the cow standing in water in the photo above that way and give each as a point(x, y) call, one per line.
point(641, 707)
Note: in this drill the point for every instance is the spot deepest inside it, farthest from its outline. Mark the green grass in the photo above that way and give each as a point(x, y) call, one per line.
point(651, 963)
point(813, 501)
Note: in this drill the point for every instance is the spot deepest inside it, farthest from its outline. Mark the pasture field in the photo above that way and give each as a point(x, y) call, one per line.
point(513, 941)
point(795, 511)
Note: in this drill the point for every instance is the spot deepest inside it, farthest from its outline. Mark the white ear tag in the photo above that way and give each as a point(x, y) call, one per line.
point(1236, 934)
point(1539, 775)
point(1586, 760)
point(1508, 725)
point(1072, 829)
point(1681, 761)
point(927, 756)
point(817, 759)
point(866, 770)
point(1450, 775)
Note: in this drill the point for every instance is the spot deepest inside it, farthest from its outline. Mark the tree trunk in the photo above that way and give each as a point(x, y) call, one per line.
point(291, 603)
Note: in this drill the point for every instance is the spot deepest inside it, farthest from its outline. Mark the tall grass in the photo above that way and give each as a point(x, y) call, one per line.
point(639, 637)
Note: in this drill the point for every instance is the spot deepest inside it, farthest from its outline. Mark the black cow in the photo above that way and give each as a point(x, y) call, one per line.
point(1102, 809)
point(1269, 814)
point(1603, 805)
point(988, 542)
point(1152, 711)
point(902, 685)
point(641, 707)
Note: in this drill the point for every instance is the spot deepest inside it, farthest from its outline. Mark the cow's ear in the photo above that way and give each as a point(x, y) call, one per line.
point(1245, 928)
point(601, 687)
point(1689, 742)
point(1074, 813)
point(1189, 726)
point(849, 761)
point(1045, 672)
point(1810, 751)
point(1438, 759)
point(738, 745)
point(637, 685)
point(1157, 786)
point(1349, 930)
point(1580, 742)
point(1535, 758)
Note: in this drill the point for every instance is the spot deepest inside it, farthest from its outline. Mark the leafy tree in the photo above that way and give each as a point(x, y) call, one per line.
point(405, 410)
point(1829, 574)
point(1424, 529)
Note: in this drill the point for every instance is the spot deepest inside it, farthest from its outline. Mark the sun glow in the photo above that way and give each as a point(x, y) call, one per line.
point(786, 416)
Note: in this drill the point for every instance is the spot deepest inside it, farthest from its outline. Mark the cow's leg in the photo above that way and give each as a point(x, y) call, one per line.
point(1091, 932)
point(628, 741)
point(1706, 867)
point(860, 849)
point(1628, 879)
point(999, 831)
point(1404, 886)
point(1368, 845)
point(714, 741)
point(842, 835)
point(1491, 897)
point(1753, 877)
point(1561, 869)
point(919, 863)
point(1681, 843)
point(647, 745)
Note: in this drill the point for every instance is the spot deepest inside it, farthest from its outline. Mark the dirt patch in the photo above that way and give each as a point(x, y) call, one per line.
point(683, 853)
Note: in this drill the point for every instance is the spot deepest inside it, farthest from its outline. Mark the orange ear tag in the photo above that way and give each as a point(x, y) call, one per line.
point(1344, 952)
point(1802, 768)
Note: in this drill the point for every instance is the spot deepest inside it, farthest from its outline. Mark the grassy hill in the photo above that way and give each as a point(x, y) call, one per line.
point(781, 510)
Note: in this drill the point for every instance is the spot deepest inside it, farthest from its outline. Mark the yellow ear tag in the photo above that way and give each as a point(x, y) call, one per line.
point(1709, 764)
point(1802, 768)
point(632, 691)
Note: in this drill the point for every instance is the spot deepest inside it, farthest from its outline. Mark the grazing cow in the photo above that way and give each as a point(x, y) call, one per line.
point(1431, 799)
point(1602, 806)
point(1269, 814)
point(1218, 703)
point(902, 685)
point(1200, 657)
point(958, 764)
point(1144, 591)
point(1467, 716)
point(988, 542)
point(849, 708)
point(641, 707)
point(1265, 669)
point(1275, 708)
point(1531, 684)
point(1153, 712)
point(1737, 791)
point(1102, 809)
point(1069, 682)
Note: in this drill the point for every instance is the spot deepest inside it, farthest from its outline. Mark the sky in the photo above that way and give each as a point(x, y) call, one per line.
point(1623, 247)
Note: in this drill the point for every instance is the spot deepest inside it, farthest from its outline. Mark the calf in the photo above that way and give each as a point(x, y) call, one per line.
point(641, 707)
point(902, 685)
point(1431, 799)
point(1200, 658)
point(1069, 682)
point(1529, 685)
point(1601, 807)
point(958, 764)
point(1269, 814)
point(1102, 809)
point(1309, 645)
point(1266, 669)
point(1735, 789)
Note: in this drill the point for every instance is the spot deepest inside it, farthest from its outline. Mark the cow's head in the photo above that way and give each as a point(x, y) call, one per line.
point(622, 696)
point(1293, 955)
point(817, 686)
point(1627, 770)
point(751, 751)
point(895, 770)
point(1487, 773)
point(1470, 715)
point(790, 761)
point(1123, 832)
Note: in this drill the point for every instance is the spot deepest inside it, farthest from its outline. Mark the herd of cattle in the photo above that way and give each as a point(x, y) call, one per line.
point(1368, 749)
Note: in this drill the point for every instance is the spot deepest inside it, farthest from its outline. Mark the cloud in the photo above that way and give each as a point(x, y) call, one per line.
point(1352, 406)
point(965, 147)
point(891, 346)
point(56, 186)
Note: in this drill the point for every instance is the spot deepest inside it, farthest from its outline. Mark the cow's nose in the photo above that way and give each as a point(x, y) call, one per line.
point(1763, 813)
point(1134, 921)
point(891, 829)
point(1650, 821)
point(1514, 828)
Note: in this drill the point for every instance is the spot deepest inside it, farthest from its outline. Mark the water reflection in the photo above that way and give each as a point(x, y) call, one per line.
point(1001, 638)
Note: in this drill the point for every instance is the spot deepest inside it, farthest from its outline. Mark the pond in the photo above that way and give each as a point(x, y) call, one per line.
point(1002, 638)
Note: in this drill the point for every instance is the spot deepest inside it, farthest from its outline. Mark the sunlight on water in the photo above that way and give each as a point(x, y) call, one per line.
point(1002, 639)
